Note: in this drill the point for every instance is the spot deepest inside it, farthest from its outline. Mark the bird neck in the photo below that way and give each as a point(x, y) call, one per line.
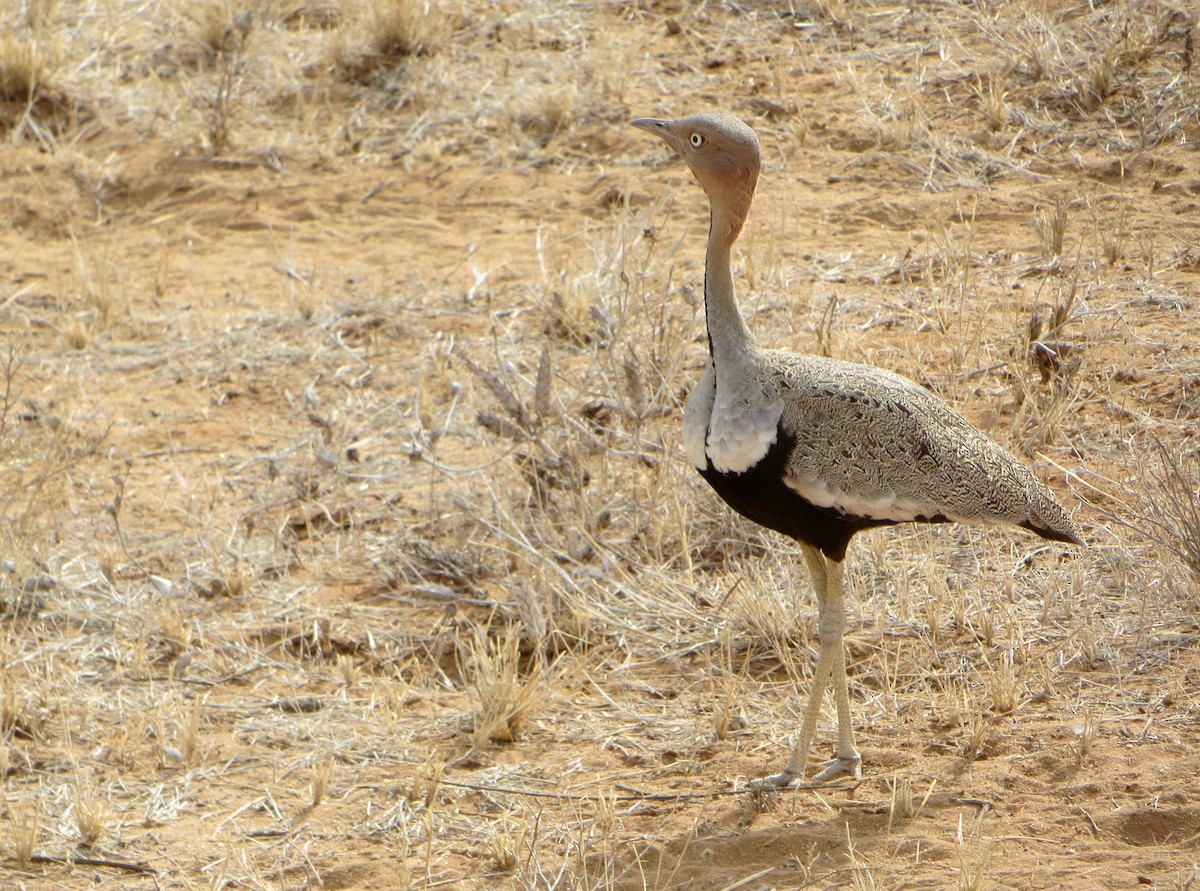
point(728, 337)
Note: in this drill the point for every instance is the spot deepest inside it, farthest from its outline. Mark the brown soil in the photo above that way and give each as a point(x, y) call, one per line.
point(310, 397)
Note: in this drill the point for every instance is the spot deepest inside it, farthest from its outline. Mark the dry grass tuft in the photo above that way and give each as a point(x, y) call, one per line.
point(1051, 227)
point(504, 698)
point(20, 714)
point(902, 802)
point(25, 826)
point(1004, 685)
point(973, 862)
point(23, 68)
point(220, 102)
point(32, 102)
point(1112, 232)
point(403, 28)
point(728, 713)
point(547, 110)
point(1168, 497)
point(862, 873)
point(994, 99)
point(506, 847)
point(222, 29)
point(91, 814)
point(965, 712)
point(190, 721)
point(1085, 738)
point(426, 782)
point(408, 27)
point(322, 772)
point(79, 334)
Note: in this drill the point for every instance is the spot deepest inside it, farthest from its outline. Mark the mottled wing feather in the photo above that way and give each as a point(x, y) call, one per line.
point(870, 443)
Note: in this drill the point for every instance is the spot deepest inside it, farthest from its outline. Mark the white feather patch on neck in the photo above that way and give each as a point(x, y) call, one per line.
point(741, 432)
point(732, 430)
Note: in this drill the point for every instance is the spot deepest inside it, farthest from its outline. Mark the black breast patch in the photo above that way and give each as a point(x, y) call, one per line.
point(761, 495)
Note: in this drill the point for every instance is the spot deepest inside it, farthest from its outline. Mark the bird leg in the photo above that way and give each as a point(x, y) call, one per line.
point(847, 761)
point(831, 667)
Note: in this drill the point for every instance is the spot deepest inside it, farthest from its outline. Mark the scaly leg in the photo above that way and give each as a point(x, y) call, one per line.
point(831, 666)
point(847, 761)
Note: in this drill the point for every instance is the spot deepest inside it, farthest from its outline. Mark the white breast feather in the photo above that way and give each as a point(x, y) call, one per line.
point(741, 432)
point(732, 426)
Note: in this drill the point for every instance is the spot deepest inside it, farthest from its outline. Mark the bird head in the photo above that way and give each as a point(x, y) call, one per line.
point(722, 152)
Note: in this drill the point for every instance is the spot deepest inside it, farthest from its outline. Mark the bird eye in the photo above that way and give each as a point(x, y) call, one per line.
point(697, 140)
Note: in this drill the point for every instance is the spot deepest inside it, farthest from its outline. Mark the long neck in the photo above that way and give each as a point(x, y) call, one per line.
point(728, 337)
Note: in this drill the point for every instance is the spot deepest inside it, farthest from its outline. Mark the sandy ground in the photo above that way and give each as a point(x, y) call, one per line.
point(342, 407)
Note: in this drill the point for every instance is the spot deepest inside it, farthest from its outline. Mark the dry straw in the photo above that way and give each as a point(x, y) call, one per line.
point(346, 535)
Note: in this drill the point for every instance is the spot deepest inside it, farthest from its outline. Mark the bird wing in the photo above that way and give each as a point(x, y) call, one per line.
point(870, 443)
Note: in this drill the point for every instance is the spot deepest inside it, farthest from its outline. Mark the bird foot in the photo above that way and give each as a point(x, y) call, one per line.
point(838, 767)
point(784, 780)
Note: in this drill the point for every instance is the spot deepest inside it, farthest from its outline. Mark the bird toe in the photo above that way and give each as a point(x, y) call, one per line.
point(775, 782)
point(840, 767)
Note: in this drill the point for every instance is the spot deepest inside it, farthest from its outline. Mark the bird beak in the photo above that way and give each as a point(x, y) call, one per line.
point(655, 126)
point(651, 124)
point(661, 129)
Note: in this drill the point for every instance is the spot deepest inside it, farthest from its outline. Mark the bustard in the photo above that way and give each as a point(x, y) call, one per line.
point(819, 449)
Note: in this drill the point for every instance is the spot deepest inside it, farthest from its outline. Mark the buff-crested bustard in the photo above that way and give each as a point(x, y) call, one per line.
point(819, 449)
